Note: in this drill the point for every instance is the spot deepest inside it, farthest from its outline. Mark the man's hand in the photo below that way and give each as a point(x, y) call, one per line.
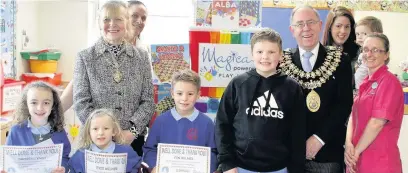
point(313, 146)
point(129, 137)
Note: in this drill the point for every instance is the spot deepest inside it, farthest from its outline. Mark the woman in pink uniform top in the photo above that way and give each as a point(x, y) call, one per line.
point(375, 122)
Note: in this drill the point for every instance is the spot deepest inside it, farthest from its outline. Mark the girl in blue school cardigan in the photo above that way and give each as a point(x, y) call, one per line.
point(39, 117)
point(102, 133)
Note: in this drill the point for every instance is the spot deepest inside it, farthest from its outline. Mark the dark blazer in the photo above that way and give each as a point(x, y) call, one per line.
point(336, 99)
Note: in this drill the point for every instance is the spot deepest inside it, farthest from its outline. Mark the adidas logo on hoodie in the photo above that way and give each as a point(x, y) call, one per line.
point(259, 107)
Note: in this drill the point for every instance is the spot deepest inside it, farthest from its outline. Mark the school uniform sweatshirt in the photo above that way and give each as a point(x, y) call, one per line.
point(21, 135)
point(171, 128)
point(77, 162)
point(261, 124)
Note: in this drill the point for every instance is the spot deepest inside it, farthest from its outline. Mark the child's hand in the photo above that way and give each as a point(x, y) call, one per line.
point(59, 170)
point(3, 171)
point(153, 170)
point(233, 170)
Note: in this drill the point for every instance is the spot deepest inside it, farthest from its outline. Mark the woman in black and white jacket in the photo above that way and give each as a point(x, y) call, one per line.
point(113, 74)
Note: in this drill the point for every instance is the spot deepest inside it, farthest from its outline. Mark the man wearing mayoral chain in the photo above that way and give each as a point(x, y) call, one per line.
point(326, 78)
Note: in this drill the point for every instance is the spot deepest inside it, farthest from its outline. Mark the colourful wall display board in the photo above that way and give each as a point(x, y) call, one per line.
point(8, 37)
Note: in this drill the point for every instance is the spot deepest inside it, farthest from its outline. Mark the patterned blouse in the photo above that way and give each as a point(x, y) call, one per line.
point(95, 86)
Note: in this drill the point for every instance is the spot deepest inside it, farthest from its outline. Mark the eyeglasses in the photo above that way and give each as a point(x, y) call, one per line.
point(373, 51)
point(308, 23)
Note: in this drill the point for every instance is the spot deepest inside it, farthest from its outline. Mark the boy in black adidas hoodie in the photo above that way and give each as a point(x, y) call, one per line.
point(261, 120)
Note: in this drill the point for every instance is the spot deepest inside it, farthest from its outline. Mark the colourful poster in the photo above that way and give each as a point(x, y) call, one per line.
point(250, 14)
point(203, 13)
point(8, 37)
point(1, 74)
point(168, 59)
point(163, 99)
point(225, 14)
point(219, 63)
point(400, 6)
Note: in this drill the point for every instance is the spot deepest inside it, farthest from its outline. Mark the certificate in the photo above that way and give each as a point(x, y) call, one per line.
point(172, 158)
point(30, 159)
point(105, 162)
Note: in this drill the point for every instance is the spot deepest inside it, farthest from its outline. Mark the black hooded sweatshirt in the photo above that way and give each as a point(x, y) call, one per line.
point(261, 124)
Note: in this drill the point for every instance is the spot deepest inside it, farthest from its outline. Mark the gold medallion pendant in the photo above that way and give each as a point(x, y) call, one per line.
point(117, 76)
point(313, 101)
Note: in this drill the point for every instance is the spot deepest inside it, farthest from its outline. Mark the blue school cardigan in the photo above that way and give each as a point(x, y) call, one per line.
point(77, 162)
point(21, 135)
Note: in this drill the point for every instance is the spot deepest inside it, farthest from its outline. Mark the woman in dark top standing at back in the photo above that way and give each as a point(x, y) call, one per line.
point(340, 32)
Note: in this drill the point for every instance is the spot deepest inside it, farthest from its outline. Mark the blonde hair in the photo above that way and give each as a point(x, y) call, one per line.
point(112, 9)
point(56, 117)
point(371, 22)
point(85, 140)
point(186, 75)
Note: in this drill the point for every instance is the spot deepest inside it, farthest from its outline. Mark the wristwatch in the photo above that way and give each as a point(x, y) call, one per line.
point(133, 129)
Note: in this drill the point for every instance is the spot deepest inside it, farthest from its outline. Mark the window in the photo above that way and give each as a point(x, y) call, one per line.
point(168, 21)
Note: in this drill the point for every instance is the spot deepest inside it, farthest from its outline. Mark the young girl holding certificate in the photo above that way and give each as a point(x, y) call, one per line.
point(39, 119)
point(102, 133)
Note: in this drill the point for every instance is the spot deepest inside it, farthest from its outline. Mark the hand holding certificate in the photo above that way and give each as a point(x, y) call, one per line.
point(30, 159)
point(172, 158)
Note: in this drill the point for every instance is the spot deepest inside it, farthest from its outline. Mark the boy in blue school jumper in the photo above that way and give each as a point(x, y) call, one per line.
point(39, 117)
point(102, 133)
point(261, 120)
point(183, 124)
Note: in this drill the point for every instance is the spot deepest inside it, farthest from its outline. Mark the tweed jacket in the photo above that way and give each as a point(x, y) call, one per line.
point(94, 86)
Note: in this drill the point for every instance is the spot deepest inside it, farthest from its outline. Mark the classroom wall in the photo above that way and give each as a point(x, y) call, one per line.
point(26, 20)
point(64, 26)
point(395, 26)
point(53, 24)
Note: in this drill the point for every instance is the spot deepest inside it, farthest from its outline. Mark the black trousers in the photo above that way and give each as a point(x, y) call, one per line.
point(137, 145)
point(317, 167)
